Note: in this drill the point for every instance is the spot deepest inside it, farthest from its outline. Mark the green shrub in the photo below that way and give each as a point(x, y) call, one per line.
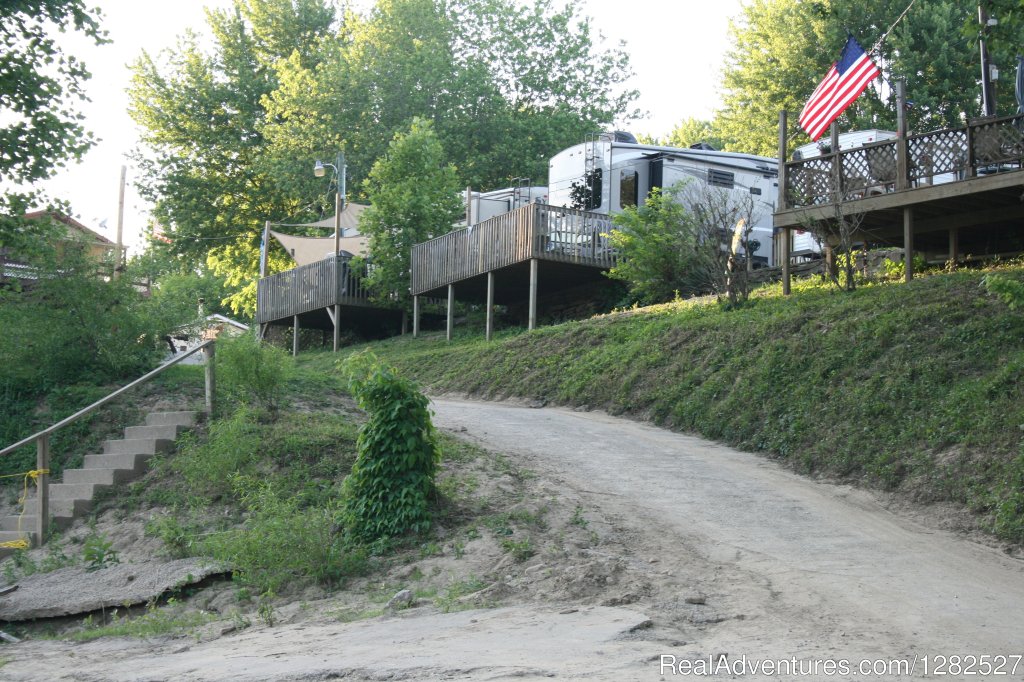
point(281, 544)
point(1009, 291)
point(252, 372)
point(397, 454)
point(206, 467)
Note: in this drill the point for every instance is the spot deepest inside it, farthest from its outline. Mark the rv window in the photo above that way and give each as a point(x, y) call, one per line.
point(717, 178)
point(628, 186)
point(596, 183)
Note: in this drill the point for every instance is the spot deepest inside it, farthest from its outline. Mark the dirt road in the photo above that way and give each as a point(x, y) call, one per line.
point(815, 570)
point(701, 554)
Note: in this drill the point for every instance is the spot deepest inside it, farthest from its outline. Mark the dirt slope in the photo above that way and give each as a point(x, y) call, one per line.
point(724, 552)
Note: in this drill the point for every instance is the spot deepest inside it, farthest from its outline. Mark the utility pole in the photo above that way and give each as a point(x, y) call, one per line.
point(988, 99)
point(119, 248)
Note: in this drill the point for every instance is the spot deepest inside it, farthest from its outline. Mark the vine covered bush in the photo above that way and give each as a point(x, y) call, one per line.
point(387, 494)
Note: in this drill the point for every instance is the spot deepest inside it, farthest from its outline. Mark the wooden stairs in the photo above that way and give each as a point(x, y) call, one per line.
point(121, 461)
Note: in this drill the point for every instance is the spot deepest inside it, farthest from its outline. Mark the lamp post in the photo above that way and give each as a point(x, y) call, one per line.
point(319, 170)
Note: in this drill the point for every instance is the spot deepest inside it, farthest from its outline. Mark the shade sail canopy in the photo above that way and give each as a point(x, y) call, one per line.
point(307, 250)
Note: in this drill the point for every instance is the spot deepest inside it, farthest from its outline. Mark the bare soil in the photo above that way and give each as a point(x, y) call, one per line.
point(589, 547)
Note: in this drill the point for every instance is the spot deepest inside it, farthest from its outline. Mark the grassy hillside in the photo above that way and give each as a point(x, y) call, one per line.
point(914, 387)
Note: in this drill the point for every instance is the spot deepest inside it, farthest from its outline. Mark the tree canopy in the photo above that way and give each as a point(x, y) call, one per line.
point(40, 88)
point(782, 49)
point(230, 133)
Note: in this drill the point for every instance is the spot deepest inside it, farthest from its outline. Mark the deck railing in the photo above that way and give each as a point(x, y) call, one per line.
point(309, 287)
point(536, 231)
point(980, 148)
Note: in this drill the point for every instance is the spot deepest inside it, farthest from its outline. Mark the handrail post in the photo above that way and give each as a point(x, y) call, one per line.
point(211, 379)
point(783, 142)
point(42, 488)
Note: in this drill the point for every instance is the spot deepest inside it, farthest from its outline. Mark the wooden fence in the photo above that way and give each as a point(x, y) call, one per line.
point(942, 156)
point(309, 287)
point(536, 231)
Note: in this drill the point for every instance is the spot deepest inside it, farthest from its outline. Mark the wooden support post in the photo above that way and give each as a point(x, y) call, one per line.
point(954, 245)
point(42, 488)
point(415, 316)
point(405, 323)
point(337, 326)
point(209, 356)
point(451, 312)
point(902, 148)
point(295, 336)
point(908, 244)
point(783, 153)
point(490, 306)
point(787, 239)
point(838, 192)
point(531, 322)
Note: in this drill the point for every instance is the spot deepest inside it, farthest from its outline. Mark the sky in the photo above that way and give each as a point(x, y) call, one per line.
point(676, 49)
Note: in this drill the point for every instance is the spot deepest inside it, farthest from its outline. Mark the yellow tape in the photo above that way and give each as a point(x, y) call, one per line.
point(22, 543)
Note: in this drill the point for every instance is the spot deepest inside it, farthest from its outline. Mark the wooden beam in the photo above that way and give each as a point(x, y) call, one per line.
point(783, 153)
point(787, 239)
point(451, 312)
point(415, 316)
point(295, 335)
point(490, 306)
point(902, 150)
point(210, 379)
point(909, 197)
point(531, 322)
point(42, 488)
point(908, 244)
point(336, 319)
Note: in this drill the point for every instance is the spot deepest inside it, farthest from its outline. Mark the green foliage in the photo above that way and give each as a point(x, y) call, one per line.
point(206, 467)
point(782, 50)
point(1009, 291)
point(413, 197)
point(282, 544)
point(40, 87)
point(658, 245)
point(388, 491)
point(251, 371)
point(691, 131)
point(98, 552)
point(155, 621)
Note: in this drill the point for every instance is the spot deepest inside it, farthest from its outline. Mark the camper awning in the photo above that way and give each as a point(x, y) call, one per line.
point(305, 250)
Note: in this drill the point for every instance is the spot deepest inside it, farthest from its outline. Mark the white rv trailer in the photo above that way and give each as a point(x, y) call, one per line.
point(622, 172)
point(483, 205)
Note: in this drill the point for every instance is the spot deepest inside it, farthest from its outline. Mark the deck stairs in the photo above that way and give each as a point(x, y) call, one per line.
point(120, 462)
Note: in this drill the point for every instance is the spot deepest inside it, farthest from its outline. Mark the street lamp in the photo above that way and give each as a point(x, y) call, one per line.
point(319, 170)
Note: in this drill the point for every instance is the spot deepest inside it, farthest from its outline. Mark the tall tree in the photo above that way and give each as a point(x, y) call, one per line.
point(204, 154)
point(40, 87)
point(783, 48)
point(413, 194)
point(499, 104)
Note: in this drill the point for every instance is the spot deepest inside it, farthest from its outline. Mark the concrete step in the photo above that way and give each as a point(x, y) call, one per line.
point(75, 491)
point(137, 446)
point(134, 462)
point(28, 522)
point(11, 536)
point(186, 419)
point(98, 476)
point(161, 431)
point(70, 509)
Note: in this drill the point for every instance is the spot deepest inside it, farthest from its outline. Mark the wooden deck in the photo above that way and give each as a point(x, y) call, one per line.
point(535, 232)
point(309, 288)
point(963, 169)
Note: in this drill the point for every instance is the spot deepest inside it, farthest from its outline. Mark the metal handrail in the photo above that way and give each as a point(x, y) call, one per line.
point(42, 438)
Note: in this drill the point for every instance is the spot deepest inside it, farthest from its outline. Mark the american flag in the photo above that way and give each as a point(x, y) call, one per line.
point(843, 83)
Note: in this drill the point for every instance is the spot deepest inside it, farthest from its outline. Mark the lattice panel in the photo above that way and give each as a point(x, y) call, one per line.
point(931, 154)
point(998, 142)
point(809, 182)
